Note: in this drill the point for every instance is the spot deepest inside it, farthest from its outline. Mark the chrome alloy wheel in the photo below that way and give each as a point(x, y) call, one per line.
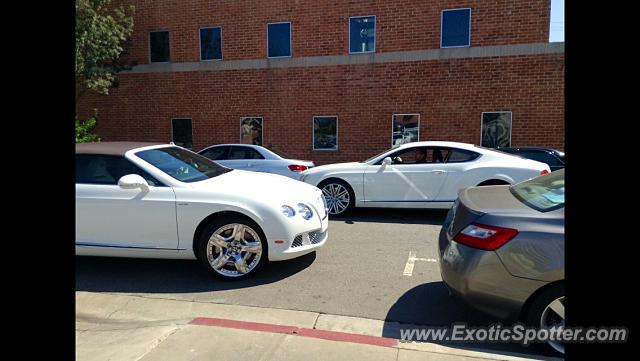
point(234, 250)
point(553, 316)
point(337, 197)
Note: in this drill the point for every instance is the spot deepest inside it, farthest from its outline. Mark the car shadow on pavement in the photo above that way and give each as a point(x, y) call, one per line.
point(392, 215)
point(140, 275)
point(429, 305)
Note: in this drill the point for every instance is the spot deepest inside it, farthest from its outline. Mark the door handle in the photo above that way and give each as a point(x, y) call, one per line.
point(438, 171)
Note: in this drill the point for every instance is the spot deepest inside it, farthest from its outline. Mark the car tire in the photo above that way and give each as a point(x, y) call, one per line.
point(339, 196)
point(232, 248)
point(542, 312)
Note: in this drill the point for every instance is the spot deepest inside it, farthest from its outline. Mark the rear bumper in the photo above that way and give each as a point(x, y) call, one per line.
point(480, 278)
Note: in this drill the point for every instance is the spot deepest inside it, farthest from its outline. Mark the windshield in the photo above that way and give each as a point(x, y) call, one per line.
point(544, 193)
point(377, 155)
point(182, 164)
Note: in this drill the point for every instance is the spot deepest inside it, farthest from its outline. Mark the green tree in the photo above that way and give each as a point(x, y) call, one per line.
point(101, 32)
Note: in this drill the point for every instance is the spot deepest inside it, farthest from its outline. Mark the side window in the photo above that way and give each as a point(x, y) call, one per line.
point(217, 153)
point(244, 153)
point(460, 155)
point(105, 169)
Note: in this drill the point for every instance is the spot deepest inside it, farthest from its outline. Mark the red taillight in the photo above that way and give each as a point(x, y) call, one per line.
point(544, 171)
point(488, 238)
point(297, 168)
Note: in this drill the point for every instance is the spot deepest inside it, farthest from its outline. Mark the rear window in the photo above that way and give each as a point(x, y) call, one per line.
point(544, 193)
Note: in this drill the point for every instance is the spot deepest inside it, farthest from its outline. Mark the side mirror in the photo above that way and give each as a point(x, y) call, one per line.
point(386, 161)
point(133, 181)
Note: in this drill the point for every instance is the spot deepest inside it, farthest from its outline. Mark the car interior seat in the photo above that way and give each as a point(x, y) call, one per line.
point(97, 171)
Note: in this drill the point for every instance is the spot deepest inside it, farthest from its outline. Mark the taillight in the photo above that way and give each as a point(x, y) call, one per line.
point(544, 171)
point(488, 238)
point(297, 168)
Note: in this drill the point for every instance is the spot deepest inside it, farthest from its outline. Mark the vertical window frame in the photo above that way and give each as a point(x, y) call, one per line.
point(313, 132)
point(261, 129)
point(442, 28)
point(169, 41)
point(172, 135)
point(510, 125)
point(290, 40)
point(401, 114)
point(375, 34)
point(200, 42)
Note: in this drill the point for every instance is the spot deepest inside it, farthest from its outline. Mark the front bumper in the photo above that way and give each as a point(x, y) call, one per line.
point(299, 238)
point(480, 278)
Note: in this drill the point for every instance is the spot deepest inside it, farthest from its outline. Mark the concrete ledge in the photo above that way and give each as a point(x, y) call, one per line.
point(353, 59)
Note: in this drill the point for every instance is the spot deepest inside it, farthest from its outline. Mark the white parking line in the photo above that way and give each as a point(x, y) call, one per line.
point(408, 268)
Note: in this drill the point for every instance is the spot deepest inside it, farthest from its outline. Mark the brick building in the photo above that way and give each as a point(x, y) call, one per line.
point(331, 80)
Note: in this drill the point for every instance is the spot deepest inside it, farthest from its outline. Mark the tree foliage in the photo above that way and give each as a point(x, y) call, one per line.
point(101, 32)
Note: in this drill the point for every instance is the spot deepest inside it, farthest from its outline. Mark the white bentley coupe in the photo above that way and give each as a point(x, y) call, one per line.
point(163, 201)
point(417, 175)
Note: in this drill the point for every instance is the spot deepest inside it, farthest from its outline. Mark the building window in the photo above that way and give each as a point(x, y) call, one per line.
point(496, 129)
point(456, 28)
point(325, 133)
point(182, 132)
point(159, 47)
point(405, 128)
point(279, 40)
point(251, 130)
point(362, 34)
point(211, 44)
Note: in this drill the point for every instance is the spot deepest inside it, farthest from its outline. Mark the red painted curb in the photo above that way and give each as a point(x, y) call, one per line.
point(300, 331)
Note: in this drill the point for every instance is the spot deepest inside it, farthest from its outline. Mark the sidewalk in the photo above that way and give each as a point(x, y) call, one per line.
point(122, 327)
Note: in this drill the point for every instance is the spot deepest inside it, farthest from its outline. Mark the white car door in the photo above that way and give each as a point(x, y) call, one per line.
point(109, 216)
point(407, 179)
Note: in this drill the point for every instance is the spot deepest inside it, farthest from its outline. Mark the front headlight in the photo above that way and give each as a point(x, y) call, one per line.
point(305, 211)
point(288, 211)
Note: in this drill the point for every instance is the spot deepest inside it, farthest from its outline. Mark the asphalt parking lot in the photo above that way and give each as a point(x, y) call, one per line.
point(361, 271)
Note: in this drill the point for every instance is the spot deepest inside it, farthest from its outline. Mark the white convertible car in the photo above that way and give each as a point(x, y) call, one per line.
point(163, 201)
point(417, 175)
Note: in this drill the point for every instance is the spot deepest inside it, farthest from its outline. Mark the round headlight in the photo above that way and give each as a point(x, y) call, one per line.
point(288, 211)
point(305, 211)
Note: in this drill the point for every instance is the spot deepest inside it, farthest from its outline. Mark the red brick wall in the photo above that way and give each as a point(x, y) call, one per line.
point(320, 27)
point(449, 95)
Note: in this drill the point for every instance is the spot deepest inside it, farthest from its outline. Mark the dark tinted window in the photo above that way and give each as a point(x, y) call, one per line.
point(362, 34)
point(420, 155)
point(181, 164)
point(456, 28)
point(279, 39)
point(159, 46)
point(107, 169)
point(541, 156)
point(460, 155)
point(244, 153)
point(217, 153)
point(211, 44)
point(182, 132)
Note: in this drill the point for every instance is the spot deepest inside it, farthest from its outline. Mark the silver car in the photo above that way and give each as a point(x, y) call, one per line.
point(501, 249)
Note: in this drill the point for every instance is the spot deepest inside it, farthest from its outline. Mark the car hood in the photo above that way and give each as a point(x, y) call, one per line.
point(259, 186)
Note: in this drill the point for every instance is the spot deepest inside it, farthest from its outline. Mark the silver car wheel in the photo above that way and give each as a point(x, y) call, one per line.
point(337, 197)
point(234, 250)
point(553, 316)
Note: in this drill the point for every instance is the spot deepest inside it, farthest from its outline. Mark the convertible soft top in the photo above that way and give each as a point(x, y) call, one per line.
point(110, 148)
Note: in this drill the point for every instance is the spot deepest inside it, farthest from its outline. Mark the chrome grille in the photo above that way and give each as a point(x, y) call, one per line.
point(315, 237)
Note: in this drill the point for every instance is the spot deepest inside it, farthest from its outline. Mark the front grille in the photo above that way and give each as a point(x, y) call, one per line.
point(314, 238)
